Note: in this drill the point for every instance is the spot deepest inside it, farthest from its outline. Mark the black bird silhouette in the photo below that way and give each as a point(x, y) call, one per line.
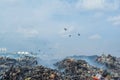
point(65, 29)
point(78, 34)
point(70, 35)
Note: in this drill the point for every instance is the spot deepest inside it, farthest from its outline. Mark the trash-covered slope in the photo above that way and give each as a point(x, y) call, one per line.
point(70, 68)
point(90, 59)
point(77, 69)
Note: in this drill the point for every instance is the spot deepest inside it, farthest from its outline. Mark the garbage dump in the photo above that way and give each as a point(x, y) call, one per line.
point(27, 68)
point(7, 63)
point(78, 69)
point(31, 73)
point(112, 63)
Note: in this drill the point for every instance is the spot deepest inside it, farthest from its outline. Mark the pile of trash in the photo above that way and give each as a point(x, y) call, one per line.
point(112, 64)
point(27, 68)
point(6, 63)
point(31, 73)
point(80, 70)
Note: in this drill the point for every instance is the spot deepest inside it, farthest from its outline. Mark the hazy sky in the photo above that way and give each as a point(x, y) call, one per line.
point(29, 25)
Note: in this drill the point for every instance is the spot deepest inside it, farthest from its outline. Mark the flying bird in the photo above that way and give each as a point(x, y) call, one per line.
point(70, 35)
point(65, 29)
point(78, 34)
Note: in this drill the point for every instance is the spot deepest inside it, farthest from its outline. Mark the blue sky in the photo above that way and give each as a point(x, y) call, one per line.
point(29, 25)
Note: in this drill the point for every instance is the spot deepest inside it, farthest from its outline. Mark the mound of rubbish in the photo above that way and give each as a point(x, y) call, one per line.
point(112, 64)
point(6, 63)
point(89, 59)
point(70, 68)
point(77, 69)
point(31, 73)
point(109, 61)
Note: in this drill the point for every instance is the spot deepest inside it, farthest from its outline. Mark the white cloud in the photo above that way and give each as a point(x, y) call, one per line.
point(98, 4)
point(91, 4)
point(28, 32)
point(56, 46)
point(98, 14)
point(115, 20)
point(95, 37)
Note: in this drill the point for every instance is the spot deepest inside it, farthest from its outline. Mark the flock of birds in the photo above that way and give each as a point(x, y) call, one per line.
point(70, 34)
